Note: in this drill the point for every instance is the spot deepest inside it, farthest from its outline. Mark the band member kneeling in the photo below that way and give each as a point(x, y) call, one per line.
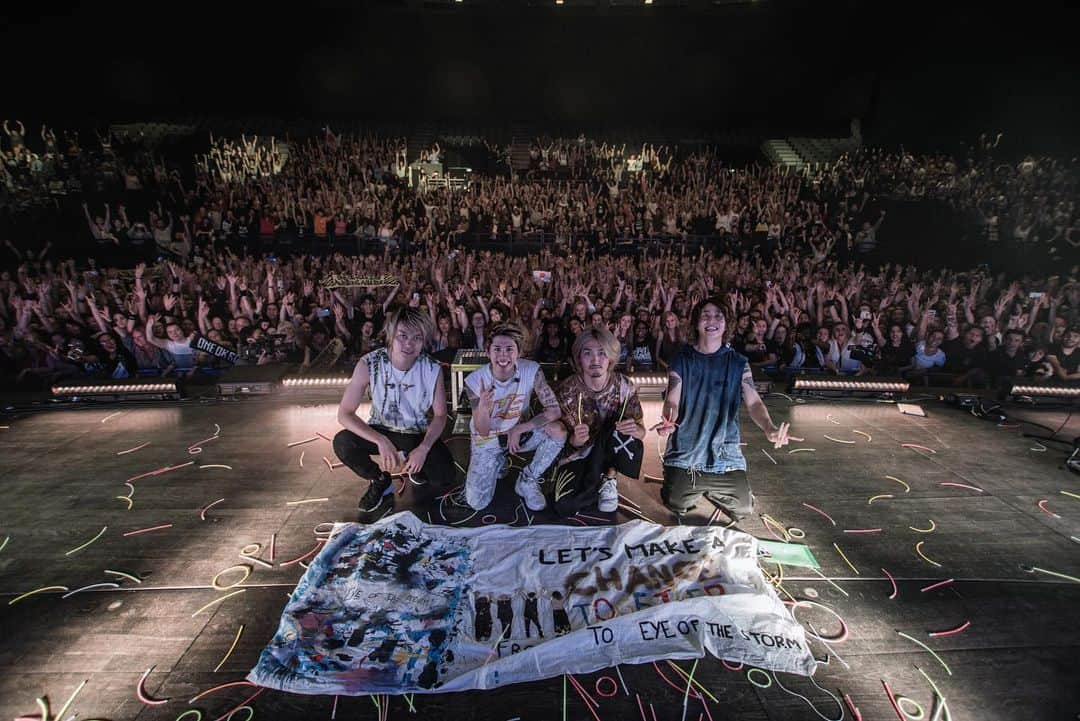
point(707, 382)
point(603, 414)
point(406, 385)
point(500, 394)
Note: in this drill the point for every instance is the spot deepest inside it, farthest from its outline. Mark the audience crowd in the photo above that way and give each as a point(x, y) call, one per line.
point(239, 245)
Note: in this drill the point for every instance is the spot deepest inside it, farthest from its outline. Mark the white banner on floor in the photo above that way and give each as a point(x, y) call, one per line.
point(401, 606)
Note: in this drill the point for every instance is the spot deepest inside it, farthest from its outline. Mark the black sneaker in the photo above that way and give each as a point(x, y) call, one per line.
point(379, 489)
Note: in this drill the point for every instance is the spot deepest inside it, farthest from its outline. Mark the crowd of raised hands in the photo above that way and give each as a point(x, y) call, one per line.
point(787, 313)
point(791, 305)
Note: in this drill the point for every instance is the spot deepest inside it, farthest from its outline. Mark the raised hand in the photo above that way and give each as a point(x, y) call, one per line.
point(486, 402)
point(781, 436)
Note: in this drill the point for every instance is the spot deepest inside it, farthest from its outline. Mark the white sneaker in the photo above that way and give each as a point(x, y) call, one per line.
point(609, 495)
point(530, 491)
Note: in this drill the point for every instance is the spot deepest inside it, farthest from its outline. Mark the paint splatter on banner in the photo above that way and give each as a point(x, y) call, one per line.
point(400, 606)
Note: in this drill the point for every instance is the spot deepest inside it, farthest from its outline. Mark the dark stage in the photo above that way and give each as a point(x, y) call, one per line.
point(63, 474)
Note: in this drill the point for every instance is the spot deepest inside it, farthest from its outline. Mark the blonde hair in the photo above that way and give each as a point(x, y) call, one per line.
point(513, 331)
point(407, 317)
point(608, 342)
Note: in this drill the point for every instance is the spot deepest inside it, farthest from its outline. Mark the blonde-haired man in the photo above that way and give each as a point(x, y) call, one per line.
point(603, 417)
point(406, 387)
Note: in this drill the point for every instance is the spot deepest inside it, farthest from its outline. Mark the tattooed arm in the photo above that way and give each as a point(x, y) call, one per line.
point(552, 412)
point(546, 396)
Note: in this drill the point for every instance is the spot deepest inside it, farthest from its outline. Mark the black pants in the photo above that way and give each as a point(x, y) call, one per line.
point(356, 453)
point(730, 491)
point(589, 472)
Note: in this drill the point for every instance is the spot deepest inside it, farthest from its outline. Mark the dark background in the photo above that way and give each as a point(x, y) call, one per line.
point(929, 75)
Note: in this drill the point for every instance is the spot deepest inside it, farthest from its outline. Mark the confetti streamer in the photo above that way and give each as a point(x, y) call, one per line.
point(79, 548)
point(952, 631)
point(962, 485)
point(108, 584)
point(306, 500)
point(148, 530)
point(299, 443)
point(221, 687)
point(43, 589)
point(880, 495)
point(769, 457)
point(823, 513)
point(1056, 574)
point(228, 653)
point(1044, 509)
point(895, 590)
point(939, 584)
point(928, 650)
point(849, 563)
point(132, 450)
point(140, 691)
point(215, 465)
point(202, 513)
point(918, 550)
point(122, 574)
point(925, 530)
point(917, 447)
point(869, 438)
point(907, 488)
point(61, 714)
point(218, 600)
point(838, 440)
point(802, 450)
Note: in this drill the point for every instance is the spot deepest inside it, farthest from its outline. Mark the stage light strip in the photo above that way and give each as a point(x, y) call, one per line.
point(649, 380)
point(110, 389)
point(1046, 391)
point(331, 382)
point(802, 384)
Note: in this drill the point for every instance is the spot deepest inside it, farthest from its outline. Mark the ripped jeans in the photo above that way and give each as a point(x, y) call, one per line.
point(488, 460)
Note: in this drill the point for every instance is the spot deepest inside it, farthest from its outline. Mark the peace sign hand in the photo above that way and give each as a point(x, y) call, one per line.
point(486, 402)
point(780, 437)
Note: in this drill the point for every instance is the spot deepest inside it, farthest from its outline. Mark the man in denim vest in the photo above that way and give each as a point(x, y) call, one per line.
point(706, 383)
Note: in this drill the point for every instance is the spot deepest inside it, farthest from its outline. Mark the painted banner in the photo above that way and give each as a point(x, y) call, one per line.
point(401, 606)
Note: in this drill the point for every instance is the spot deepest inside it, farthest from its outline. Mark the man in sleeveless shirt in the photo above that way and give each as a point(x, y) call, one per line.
point(707, 382)
point(500, 394)
point(406, 386)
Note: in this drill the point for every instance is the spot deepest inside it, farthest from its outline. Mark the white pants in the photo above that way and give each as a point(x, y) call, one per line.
point(488, 460)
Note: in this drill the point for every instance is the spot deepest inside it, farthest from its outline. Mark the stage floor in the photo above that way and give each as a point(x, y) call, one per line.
point(62, 475)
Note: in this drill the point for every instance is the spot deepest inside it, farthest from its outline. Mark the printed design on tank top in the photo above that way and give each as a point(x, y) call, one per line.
point(509, 408)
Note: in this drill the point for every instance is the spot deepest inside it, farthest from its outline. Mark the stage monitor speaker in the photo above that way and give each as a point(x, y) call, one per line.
point(250, 380)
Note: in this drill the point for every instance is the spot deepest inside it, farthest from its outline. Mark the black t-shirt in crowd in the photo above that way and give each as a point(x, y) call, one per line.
point(1004, 365)
point(959, 358)
point(896, 357)
point(1070, 363)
